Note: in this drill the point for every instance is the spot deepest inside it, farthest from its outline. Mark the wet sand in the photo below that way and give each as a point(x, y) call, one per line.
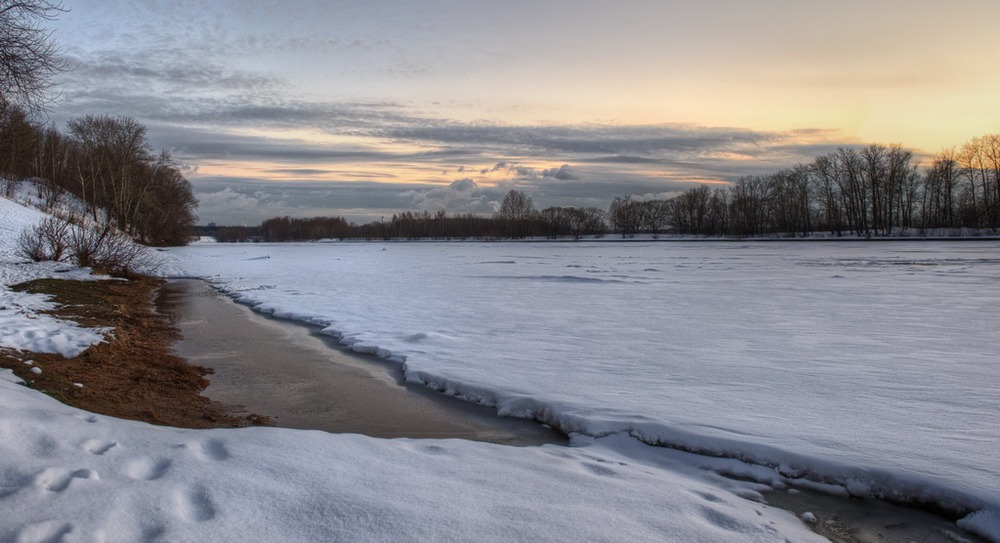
point(300, 379)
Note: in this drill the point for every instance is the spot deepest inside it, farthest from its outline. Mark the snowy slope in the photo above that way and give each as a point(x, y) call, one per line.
point(21, 324)
point(869, 364)
point(71, 476)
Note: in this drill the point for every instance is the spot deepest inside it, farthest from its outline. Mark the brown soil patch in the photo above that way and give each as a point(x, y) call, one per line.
point(134, 373)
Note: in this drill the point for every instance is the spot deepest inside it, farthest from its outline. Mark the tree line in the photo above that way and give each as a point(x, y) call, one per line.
point(108, 164)
point(516, 218)
point(871, 191)
point(876, 190)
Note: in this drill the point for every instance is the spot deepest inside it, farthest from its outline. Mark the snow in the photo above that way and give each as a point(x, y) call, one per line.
point(22, 326)
point(68, 475)
point(865, 366)
point(87, 477)
point(784, 364)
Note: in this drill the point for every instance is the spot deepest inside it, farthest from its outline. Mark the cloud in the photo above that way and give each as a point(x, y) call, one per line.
point(563, 173)
point(365, 159)
point(461, 196)
point(234, 201)
point(234, 207)
point(207, 105)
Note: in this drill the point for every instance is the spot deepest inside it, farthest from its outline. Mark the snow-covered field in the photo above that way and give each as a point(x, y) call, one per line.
point(865, 365)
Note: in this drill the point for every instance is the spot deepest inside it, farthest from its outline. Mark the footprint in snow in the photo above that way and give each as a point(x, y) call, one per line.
point(147, 469)
point(12, 481)
point(98, 447)
point(210, 450)
point(195, 505)
point(59, 479)
point(50, 531)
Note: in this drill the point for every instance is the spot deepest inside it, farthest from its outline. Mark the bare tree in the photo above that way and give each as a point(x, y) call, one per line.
point(625, 215)
point(655, 216)
point(980, 163)
point(751, 205)
point(29, 57)
point(940, 183)
point(790, 201)
point(113, 165)
point(691, 210)
point(516, 206)
point(517, 212)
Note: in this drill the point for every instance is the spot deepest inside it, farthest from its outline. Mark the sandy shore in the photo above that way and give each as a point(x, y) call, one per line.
point(132, 374)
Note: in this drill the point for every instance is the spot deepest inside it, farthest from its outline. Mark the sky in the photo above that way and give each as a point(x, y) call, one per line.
point(363, 109)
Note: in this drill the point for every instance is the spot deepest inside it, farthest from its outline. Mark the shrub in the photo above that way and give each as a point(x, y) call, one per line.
point(45, 241)
point(105, 250)
point(31, 244)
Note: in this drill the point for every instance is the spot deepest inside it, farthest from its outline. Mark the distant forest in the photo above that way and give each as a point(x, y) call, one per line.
point(872, 191)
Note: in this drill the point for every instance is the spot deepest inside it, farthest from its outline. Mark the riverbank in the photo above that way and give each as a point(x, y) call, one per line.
point(132, 374)
point(179, 354)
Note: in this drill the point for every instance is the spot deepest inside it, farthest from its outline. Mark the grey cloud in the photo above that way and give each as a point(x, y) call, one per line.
point(461, 196)
point(621, 159)
point(238, 201)
point(205, 101)
point(172, 70)
point(564, 173)
point(516, 169)
point(180, 90)
point(635, 141)
point(299, 171)
point(197, 109)
point(464, 185)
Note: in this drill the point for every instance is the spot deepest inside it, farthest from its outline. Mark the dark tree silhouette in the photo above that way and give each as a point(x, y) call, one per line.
point(29, 57)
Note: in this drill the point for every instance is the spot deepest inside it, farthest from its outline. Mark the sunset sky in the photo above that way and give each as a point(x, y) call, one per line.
point(362, 109)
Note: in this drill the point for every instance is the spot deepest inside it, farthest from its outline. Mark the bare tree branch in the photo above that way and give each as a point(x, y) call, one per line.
point(29, 57)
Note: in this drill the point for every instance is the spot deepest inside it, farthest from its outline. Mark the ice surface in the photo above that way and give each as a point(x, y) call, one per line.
point(68, 475)
point(868, 365)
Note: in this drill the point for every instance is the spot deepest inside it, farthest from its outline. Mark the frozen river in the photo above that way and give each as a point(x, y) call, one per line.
point(869, 365)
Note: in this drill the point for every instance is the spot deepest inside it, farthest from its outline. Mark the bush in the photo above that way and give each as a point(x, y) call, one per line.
point(109, 251)
point(46, 240)
point(105, 250)
point(31, 244)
